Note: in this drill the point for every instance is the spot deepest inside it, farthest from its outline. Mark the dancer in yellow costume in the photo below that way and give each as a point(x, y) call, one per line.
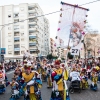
point(58, 77)
point(48, 72)
point(32, 88)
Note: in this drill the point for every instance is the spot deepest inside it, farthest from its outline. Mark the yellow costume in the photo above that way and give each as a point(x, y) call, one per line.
point(58, 76)
point(29, 77)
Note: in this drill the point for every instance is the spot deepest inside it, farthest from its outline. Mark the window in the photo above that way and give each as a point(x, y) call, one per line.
point(22, 9)
point(22, 34)
point(9, 16)
point(16, 33)
point(16, 39)
point(32, 52)
point(17, 53)
point(9, 52)
point(9, 46)
point(22, 45)
point(22, 39)
point(9, 21)
point(22, 27)
point(9, 28)
point(16, 46)
point(16, 20)
point(22, 52)
point(9, 33)
point(16, 15)
point(21, 15)
point(16, 27)
point(9, 40)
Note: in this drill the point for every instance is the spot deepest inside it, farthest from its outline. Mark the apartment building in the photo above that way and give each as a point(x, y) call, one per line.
point(46, 36)
point(31, 34)
point(91, 47)
point(53, 49)
point(60, 49)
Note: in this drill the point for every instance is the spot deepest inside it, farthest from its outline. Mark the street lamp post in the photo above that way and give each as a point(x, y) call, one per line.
point(1, 41)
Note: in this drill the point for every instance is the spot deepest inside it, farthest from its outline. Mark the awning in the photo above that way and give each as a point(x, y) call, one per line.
point(17, 38)
point(32, 44)
point(32, 37)
point(16, 49)
point(33, 50)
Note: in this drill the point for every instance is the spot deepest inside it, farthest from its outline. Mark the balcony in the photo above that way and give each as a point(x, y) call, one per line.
point(16, 40)
point(33, 51)
point(32, 44)
point(16, 34)
point(32, 37)
point(16, 20)
point(33, 22)
point(16, 27)
point(16, 15)
point(32, 34)
point(32, 27)
point(32, 7)
point(16, 52)
point(32, 14)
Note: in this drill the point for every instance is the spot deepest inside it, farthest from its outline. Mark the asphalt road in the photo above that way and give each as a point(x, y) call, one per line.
point(46, 93)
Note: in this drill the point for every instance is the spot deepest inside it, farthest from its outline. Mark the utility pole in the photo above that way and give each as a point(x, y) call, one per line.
point(1, 58)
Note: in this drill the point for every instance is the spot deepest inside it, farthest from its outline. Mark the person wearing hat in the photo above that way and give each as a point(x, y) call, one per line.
point(94, 77)
point(32, 86)
point(58, 77)
point(43, 70)
point(48, 72)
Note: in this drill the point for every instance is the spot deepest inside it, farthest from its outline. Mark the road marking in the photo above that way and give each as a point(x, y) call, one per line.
point(9, 72)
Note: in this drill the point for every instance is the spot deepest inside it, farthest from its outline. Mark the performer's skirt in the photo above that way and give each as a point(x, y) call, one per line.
point(32, 96)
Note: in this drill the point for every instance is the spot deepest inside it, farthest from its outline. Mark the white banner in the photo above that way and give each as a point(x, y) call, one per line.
point(71, 25)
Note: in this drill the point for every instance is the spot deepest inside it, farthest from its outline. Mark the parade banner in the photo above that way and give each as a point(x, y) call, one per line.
point(71, 26)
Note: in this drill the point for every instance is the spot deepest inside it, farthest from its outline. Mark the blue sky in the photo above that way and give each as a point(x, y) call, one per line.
point(54, 5)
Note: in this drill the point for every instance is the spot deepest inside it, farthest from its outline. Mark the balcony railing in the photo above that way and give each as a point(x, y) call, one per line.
point(16, 53)
point(31, 8)
point(31, 33)
point(16, 41)
point(32, 47)
point(16, 15)
point(16, 34)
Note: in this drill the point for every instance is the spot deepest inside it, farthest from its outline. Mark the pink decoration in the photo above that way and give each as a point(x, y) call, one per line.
point(83, 33)
point(58, 29)
point(54, 44)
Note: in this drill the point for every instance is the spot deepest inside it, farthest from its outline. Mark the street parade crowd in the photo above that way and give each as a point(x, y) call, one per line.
point(28, 76)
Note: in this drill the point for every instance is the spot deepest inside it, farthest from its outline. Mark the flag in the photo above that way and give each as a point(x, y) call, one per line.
point(71, 24)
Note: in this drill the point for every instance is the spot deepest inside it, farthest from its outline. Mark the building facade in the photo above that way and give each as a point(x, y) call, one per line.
point(24, 34)
point(53, 49)
point(91, 47)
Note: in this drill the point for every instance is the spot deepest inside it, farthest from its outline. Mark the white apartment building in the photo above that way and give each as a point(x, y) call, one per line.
point(31, 34)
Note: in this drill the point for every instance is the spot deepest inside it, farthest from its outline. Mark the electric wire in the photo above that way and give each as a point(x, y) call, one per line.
point(49, 13)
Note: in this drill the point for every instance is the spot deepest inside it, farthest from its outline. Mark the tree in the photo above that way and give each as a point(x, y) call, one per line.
point(49, 56)
point(69, 55)
point(63, 58)
point(54, 57)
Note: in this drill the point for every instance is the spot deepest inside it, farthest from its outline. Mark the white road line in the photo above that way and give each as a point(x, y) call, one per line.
point(9, 72)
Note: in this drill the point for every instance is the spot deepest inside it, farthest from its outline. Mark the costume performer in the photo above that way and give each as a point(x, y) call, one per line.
point(59, 77)
point(33, 84)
